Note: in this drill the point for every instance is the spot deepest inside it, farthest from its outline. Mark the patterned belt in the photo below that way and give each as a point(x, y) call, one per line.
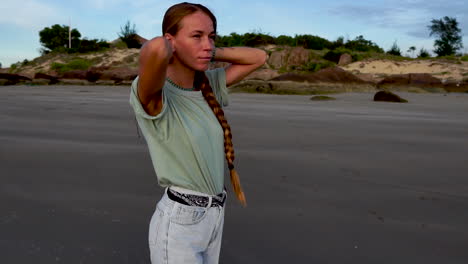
point(196, 200)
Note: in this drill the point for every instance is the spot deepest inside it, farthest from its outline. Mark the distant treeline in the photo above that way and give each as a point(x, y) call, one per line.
point(306, 41)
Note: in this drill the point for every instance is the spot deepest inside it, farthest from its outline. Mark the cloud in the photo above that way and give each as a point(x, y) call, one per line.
point(28, 14)
point(409, 16)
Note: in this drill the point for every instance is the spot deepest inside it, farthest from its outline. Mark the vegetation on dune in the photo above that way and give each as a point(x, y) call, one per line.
point(75, 64)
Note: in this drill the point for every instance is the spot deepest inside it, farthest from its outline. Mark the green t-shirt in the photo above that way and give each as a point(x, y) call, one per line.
point(185, 140)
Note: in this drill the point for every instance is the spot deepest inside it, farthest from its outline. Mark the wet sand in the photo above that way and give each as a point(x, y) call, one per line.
point(345, 181)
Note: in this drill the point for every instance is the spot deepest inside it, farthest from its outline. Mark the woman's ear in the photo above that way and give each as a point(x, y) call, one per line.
point(170, 39)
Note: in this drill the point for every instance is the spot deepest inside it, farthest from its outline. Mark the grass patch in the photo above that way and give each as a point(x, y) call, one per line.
point(75, 64)
point(322, 98)
point(464, 58)
point(314, 66)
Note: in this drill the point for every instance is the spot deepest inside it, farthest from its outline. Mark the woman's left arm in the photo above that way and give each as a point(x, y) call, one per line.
point(243, 61)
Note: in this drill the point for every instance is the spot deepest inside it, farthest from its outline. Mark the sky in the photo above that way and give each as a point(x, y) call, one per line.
point(381, 21)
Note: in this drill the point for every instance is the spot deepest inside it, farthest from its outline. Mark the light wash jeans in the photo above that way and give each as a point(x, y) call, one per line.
point(181, 234)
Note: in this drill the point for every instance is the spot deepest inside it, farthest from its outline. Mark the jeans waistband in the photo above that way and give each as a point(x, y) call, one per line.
point(189, 198)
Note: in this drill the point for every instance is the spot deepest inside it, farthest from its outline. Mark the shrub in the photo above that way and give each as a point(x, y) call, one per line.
point(423, 53)
point(394, 50)
point(317, 66)
point(312, 42)
point(285, 40)
point(334, 55)
point(464, 57)
point(128, 34)
point(76, 64)
point(89, 45)
point(362, 44)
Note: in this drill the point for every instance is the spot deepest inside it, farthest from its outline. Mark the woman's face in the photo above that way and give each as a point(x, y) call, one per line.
point(194, 42)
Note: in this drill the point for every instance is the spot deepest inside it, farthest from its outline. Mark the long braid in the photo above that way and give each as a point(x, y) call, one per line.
point(201, 82)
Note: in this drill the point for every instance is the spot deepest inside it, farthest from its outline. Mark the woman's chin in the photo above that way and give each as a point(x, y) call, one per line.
point(202, 67)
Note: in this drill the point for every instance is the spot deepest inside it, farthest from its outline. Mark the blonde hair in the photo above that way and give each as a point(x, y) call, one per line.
point(171, 24)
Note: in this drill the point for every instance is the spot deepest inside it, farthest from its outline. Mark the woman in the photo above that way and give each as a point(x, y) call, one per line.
point(177, 103)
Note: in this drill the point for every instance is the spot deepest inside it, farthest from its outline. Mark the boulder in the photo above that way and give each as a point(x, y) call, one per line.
point(345, 59)
point(278, 59)
point(386, 96)
point(12, 78)
point(298, 56)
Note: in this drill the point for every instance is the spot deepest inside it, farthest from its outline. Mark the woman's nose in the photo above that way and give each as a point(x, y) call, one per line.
point(208, 43)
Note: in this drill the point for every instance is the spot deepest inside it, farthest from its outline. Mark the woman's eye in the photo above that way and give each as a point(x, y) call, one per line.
point(196, 36)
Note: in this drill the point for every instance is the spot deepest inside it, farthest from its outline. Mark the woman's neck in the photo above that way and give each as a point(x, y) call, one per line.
point(181, 75)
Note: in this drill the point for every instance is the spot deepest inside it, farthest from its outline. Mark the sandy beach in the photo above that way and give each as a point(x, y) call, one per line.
point(344, 181)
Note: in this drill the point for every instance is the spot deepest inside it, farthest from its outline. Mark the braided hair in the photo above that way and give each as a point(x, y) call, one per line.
point(202, 83)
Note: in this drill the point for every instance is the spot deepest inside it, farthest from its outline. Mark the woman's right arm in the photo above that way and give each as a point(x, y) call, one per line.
point(154, 58)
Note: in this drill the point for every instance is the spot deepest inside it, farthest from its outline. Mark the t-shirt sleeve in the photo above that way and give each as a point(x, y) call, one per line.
point(138, 108)
point(217, 79)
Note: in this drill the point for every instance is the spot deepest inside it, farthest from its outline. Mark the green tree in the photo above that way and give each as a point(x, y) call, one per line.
point(128, 34)
point(449, 38)
point(57, 37)
point(394, 50)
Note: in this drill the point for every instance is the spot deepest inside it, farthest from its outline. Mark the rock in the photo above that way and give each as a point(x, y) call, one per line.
point(74, 74)
point(345, 59)
point(120, 74)
point(336, 74)
point(12, 78)
point(39, 78)
point(386, 96)
point(368, 77)
point(94, 73)
point(262, 74)
point(422, 80)
point(456, 87)
point(278, 59)
point(298, 56)
point(328, 75)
